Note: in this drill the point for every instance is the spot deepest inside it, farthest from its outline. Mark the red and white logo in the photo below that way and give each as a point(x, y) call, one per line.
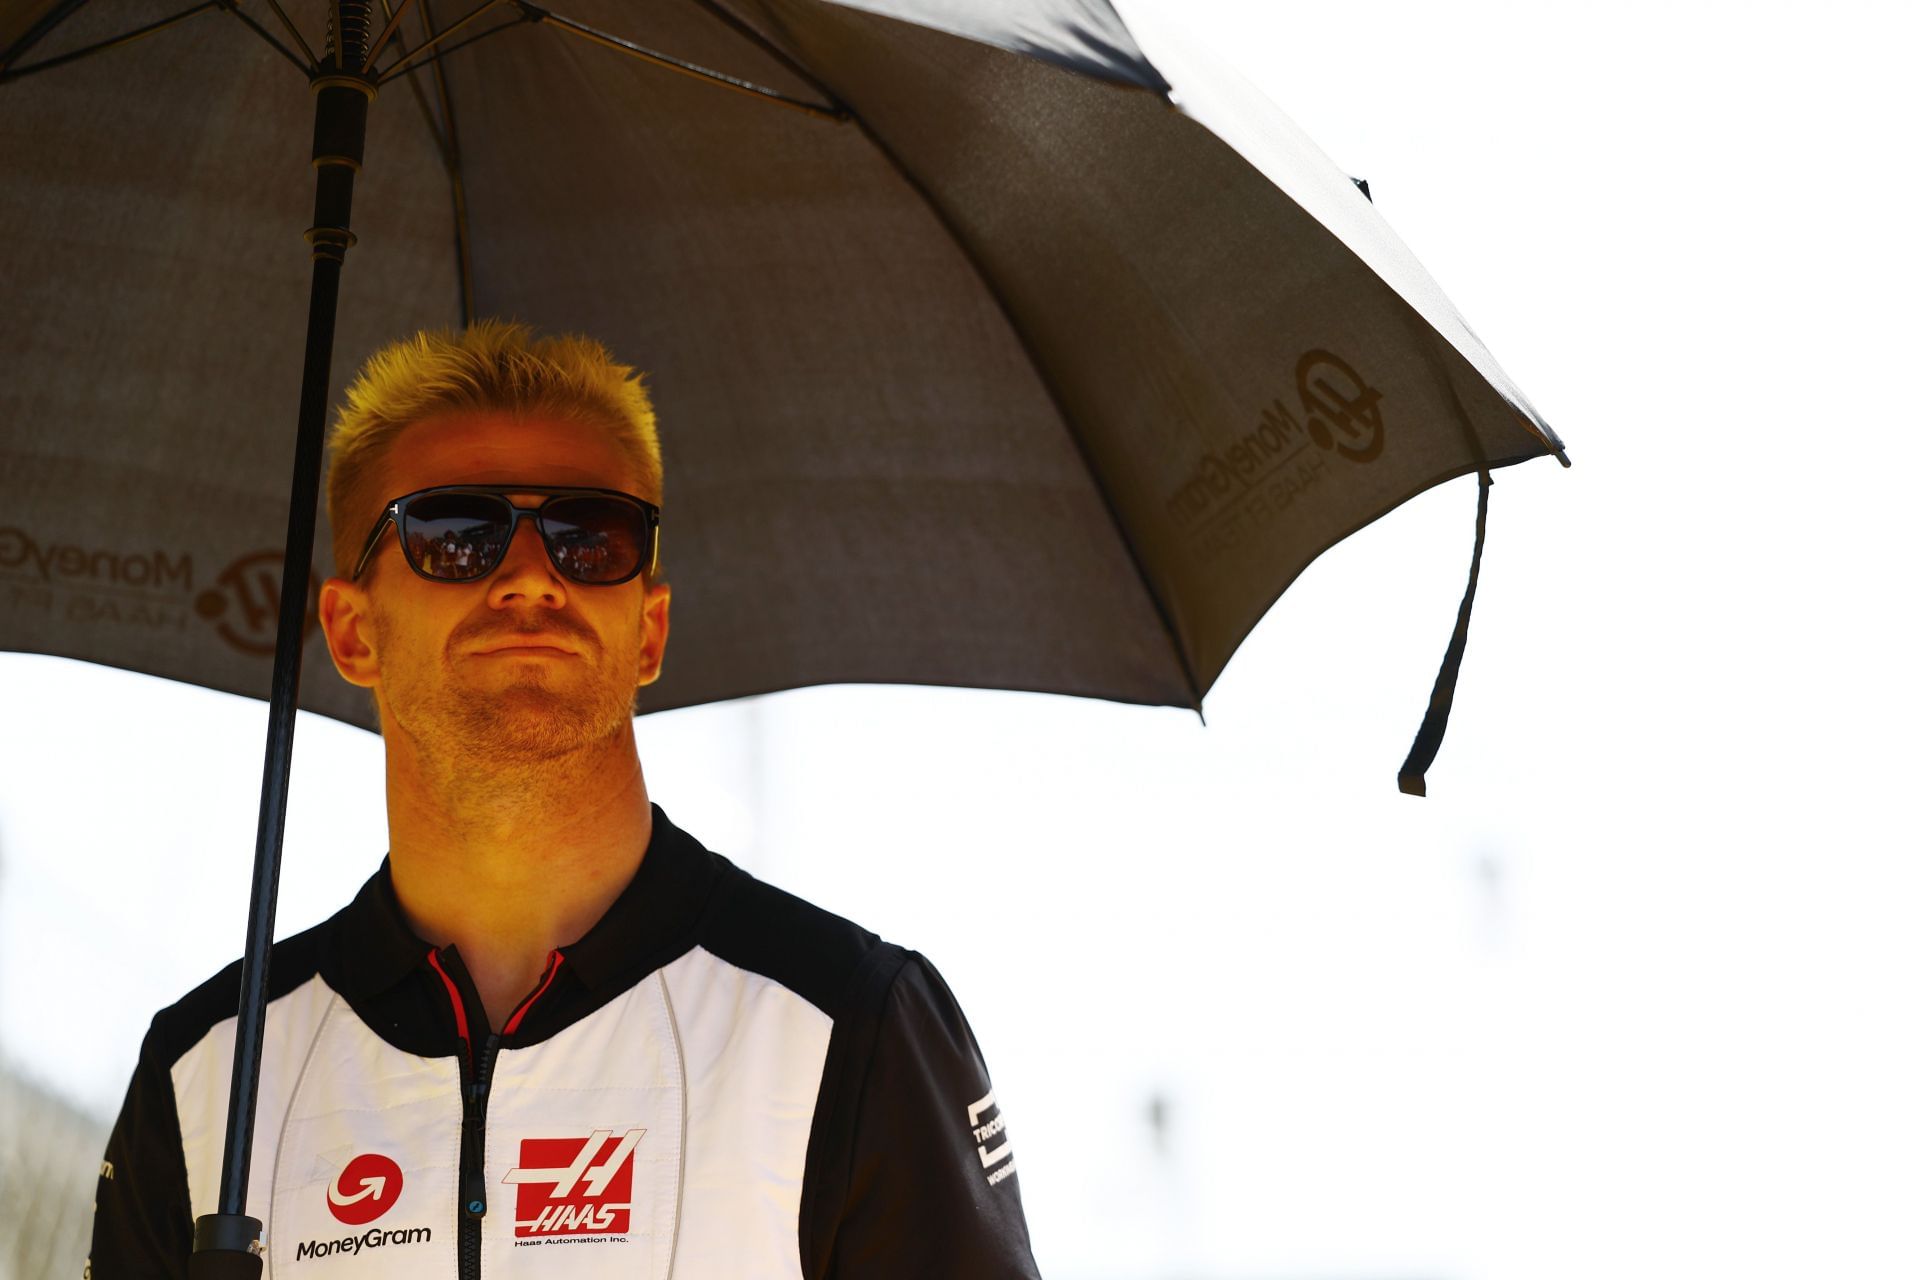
point(575, 1186)
point(364, 1190)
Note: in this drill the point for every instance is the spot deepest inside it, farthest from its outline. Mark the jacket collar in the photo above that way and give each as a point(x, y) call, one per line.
point(657, 916)
point(655, 919)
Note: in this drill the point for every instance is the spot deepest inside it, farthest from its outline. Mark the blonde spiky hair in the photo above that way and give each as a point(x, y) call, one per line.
point(494, 366)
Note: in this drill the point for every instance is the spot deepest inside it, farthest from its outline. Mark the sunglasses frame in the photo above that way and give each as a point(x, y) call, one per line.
point(395, 511)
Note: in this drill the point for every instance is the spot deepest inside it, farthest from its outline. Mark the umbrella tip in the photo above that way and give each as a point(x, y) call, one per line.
point(1365, 190)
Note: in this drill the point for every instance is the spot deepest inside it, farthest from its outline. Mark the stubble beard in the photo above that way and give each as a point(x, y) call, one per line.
point(506, 738)
point(522, 724)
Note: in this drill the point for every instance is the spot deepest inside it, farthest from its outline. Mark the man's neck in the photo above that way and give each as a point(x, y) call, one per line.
point(508, 862)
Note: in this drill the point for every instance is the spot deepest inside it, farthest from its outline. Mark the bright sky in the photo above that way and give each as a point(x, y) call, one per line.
point(1630, 994)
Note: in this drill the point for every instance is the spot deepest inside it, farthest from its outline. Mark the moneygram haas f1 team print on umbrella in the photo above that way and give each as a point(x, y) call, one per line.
point(1009, 344)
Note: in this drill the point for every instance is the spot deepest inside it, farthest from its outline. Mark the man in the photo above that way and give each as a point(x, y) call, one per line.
point(553, 1034)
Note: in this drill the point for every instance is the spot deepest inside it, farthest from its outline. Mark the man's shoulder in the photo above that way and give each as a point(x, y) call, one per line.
point(185, 1023)
point(824, 958)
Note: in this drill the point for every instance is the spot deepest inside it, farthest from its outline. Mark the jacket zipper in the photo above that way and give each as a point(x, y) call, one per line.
point(476, 1081)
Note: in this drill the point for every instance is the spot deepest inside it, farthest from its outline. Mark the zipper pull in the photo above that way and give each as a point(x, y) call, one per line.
point(473, 1198)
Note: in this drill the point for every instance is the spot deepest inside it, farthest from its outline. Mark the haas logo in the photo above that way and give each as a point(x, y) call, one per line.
point(365, 1189)
point(574, 1186)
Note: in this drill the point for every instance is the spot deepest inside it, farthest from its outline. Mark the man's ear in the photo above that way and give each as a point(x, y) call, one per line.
point(653, 630)
point(346, 616)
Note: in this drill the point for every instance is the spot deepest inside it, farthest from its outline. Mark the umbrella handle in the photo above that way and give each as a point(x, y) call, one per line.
point(227, 1243)
point(226, 1246)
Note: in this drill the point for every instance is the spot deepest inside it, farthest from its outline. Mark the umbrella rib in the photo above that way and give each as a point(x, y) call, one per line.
point(741, 27)
point(39, 31)
point(446, 140)
point(285, 21)
point(1053, 393)
point(393, 24)
point(835, 113)
point(462, 239)
point(420, 100)
point(393, 68)
point(456, 45)
point(266, 35)
point(138, 33)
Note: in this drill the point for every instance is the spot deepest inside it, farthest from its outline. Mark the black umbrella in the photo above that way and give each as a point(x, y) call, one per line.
point(979, 362)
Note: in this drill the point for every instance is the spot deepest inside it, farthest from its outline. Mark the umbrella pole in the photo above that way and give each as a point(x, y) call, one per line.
point(227, 1243)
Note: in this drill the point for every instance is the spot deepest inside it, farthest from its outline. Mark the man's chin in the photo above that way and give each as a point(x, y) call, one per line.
point(526, 724)
point(545, 723)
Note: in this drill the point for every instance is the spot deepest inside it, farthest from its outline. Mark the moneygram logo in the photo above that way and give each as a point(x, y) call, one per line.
point(364, 1190)
point(148, 591)
point(1240, 493)
point(359, 1193)
point(371, 1238)
point(65, 563)
point(1251, 479)
point(574, 1186)
point(244, 603)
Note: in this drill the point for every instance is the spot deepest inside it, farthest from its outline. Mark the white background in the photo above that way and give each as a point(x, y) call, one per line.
point(1632, 993)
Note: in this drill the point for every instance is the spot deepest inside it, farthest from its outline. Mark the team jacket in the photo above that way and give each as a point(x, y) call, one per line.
point(719, 1082)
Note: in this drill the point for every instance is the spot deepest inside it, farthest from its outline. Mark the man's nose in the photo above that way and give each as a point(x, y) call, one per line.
point(526, 574)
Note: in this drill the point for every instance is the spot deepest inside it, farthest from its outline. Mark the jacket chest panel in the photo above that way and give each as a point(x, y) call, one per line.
point(366, 1171)
point(583, 1138)
point(664, 1134)
point(584, 1147)
point(754, 1052)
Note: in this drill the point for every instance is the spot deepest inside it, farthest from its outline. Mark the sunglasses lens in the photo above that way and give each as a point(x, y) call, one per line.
point(456, 536)
point(593, 539)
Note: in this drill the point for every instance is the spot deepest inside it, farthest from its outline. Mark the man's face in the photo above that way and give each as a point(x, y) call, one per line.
point(524, 664)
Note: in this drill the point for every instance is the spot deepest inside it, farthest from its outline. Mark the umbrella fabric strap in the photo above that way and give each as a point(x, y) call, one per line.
point(1426, 744)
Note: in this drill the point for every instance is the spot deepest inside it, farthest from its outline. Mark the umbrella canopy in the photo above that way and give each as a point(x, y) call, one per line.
point(987, 369)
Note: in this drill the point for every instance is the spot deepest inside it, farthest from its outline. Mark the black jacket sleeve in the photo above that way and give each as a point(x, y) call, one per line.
point(931, 1189)
point(142, 1215)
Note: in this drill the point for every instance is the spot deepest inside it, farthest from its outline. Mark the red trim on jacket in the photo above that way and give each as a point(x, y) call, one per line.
point(553, 966)
point(453, 994)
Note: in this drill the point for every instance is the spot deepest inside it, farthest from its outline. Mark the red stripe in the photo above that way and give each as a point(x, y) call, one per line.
point(453, 994)
point(553, 966)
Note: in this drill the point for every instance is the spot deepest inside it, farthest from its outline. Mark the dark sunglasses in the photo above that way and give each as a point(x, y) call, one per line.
point(460, 532)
